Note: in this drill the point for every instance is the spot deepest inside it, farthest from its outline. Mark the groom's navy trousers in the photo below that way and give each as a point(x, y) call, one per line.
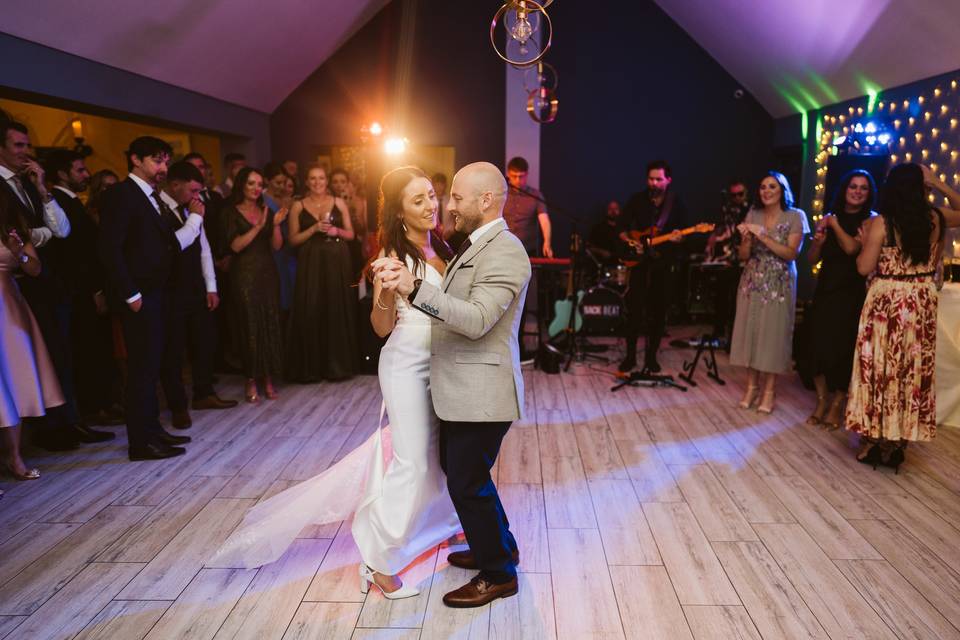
point(468, 451)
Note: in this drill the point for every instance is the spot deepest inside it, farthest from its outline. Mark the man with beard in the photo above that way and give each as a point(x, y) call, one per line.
point(604, 241)
point(138, 246)
point(657, 206)
point(88, 333)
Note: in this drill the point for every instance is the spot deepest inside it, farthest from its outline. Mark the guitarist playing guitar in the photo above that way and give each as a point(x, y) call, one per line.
point(657, 207)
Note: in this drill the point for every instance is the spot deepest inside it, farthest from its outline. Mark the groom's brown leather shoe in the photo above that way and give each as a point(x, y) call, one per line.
point(466, 560)
point(479, 592)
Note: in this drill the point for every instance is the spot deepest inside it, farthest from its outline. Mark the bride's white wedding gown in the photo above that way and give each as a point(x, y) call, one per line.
point(398, 513)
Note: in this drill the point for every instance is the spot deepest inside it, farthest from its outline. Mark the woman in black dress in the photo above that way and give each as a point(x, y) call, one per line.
point(253, 233)
point(839, 296)
point(322, 337)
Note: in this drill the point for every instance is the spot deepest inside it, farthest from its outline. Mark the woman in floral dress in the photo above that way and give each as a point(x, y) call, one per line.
point(892, 394)
point(763, 327)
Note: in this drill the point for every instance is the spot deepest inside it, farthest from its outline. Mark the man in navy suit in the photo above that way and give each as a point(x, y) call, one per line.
point(138, 245)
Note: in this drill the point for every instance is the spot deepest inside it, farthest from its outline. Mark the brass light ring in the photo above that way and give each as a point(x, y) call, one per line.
point(532, 5)
point(554, 106)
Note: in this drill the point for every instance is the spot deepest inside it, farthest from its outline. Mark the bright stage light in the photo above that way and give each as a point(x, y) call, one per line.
point(375, 128)
point(395, 146)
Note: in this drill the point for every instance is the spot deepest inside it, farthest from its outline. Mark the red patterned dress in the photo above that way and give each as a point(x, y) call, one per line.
point(892, 393)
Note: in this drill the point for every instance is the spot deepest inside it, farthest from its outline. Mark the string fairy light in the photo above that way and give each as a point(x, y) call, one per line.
point(854, 129)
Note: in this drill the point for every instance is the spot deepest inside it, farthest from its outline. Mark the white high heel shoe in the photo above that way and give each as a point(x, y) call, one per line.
point(366, 579)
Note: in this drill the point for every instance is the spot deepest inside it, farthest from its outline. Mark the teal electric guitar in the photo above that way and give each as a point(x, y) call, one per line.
point(562, 310)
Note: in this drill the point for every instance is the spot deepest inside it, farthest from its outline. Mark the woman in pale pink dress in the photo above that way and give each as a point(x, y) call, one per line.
point(28, 382)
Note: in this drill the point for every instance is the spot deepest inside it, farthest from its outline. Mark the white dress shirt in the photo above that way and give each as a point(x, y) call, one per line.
point(185, 234)
point(478, 233)
point(206, 256)
point(56, 221)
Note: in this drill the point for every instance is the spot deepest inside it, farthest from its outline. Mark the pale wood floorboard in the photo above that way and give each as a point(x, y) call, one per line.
point(645, 513)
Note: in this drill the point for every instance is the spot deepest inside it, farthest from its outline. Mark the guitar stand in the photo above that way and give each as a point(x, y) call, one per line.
point(709, 361)
point(644, 378)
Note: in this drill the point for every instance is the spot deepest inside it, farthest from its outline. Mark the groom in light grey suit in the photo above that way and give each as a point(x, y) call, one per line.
point(475, 377)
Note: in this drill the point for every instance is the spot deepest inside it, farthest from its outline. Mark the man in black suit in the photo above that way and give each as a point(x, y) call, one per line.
point(89, 334)
point(213, 226)
point(138, 245)
point(23, 179)
point(191, 304)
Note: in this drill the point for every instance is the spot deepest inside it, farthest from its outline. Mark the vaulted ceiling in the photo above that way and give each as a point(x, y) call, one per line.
point(791, 54)
point(795, 55)
point(248, 52)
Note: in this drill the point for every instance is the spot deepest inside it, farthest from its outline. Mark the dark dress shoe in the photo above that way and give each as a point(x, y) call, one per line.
point(169, 439)
point(181, 420)
point(87, 435)
point(466, 560)
point(213, 401)
point(155, 451)
point(104, 418)
point(479, 592)
point(652, 366)
point(56, 440)
point(627, 365)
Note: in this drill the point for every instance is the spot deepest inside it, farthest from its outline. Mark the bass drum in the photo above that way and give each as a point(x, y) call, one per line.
point(603, 312)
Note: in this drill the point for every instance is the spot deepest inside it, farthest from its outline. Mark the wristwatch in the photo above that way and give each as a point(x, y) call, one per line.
point(416, 289)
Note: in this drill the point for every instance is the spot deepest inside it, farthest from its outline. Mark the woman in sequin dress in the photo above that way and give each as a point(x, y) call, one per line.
point(766, 299)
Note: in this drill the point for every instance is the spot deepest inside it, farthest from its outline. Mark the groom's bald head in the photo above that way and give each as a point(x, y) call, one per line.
point(477, 196)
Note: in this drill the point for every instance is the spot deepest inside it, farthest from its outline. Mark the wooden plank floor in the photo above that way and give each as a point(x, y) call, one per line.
point(646, 513)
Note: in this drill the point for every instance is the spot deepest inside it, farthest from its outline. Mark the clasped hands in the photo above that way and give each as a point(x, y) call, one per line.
point(393, 275)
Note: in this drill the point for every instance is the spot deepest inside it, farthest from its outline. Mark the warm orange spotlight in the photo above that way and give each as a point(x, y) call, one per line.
point(395, 146)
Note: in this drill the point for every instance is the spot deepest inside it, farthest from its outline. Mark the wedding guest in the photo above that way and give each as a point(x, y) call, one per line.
point(190, 305)
point(138, 243)
point(892, 392)
point(232, 164)
point(277, 197)
point(24, 181)
point(28, 381)
point(99, 182)
point(88, 335)
point(253, 233)
point(292, 169)
point(341, 188)
point(839, 295)
point(322, 338)
point(763, 328)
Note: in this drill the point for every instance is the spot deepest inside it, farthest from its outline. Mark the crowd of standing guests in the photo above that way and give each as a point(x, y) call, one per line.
point(874, 313)
point(103, 298)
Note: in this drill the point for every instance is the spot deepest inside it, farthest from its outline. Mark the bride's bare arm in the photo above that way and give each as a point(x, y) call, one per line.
point(384, 314)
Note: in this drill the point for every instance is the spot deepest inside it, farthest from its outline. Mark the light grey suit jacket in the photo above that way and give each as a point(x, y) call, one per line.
point(475, 357)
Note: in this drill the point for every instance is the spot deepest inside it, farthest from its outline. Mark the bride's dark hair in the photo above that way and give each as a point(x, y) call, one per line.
point(391, 233)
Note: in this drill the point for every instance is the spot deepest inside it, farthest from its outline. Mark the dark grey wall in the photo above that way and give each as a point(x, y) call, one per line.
point(635, 87)
point(38, 73)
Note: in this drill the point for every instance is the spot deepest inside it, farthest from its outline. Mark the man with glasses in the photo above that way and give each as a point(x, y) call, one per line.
point(722, 250)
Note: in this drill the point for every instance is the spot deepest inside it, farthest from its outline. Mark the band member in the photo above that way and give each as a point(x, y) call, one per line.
point(525, 211)
point(658, 207)
point(722, 251)
point(604, 241)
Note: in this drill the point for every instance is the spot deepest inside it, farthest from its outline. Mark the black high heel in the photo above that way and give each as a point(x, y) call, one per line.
point(895, 458)
point(873, 456)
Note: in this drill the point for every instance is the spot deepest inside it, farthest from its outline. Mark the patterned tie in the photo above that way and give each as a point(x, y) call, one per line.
point(18, 185)
point(462, 250)
point(166, 212)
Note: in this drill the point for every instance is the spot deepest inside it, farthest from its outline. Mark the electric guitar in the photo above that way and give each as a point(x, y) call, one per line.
point(570, 304)
point(638, 239)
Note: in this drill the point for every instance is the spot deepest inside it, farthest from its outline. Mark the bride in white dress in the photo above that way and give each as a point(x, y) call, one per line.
point(402, 511)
